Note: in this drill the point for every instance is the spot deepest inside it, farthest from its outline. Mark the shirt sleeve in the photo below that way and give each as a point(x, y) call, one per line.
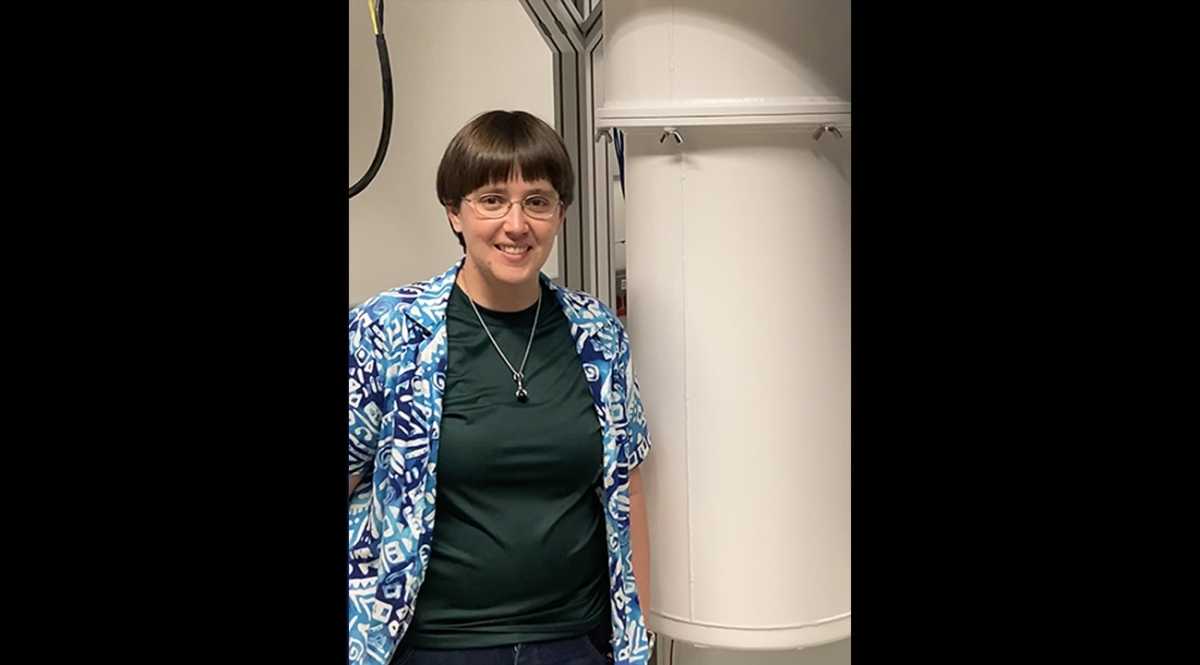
point(366, 389)
point(637, 442)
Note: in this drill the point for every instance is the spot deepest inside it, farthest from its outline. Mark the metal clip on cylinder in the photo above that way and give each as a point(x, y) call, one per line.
point(832, 129)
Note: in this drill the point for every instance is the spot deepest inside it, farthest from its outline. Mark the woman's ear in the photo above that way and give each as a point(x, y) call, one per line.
point(455, 222)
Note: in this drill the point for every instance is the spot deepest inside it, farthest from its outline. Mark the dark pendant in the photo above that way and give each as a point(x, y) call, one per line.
point(522, 395)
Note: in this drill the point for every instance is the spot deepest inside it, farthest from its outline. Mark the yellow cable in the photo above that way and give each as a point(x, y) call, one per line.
point(374, 22)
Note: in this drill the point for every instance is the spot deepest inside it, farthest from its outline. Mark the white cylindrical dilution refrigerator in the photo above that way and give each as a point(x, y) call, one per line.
point(736, 118)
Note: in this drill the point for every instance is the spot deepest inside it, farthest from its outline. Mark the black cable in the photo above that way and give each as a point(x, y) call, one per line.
point(385, 134)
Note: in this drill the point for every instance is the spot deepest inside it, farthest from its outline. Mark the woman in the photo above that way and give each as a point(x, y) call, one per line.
point(508, 403)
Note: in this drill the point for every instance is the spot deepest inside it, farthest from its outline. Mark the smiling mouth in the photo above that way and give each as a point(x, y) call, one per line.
point(513, 250)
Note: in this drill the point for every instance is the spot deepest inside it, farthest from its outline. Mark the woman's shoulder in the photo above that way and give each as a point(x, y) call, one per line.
point(582, 308)
point(586, 304)
point(388, 303)
point(392, 303)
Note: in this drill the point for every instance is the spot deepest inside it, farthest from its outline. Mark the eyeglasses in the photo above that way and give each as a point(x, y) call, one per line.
point(495, 206)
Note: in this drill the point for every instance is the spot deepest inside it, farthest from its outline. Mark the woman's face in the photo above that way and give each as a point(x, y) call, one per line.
point(510, 250)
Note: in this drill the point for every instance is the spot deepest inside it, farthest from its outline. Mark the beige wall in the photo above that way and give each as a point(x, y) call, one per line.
point(451, 60)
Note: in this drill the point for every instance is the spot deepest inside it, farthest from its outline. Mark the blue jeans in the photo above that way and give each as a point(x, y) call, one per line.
point(572, 651)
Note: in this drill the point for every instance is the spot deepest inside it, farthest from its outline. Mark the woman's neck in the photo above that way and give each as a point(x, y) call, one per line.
point(498, 298)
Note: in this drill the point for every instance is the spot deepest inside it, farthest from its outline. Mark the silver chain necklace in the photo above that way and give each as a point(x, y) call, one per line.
point(518, 374)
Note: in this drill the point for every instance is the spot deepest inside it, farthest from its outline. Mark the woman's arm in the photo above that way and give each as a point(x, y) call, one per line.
point(639, 539)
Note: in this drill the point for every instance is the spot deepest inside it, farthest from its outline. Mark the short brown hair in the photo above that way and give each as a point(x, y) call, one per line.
point(489, 147)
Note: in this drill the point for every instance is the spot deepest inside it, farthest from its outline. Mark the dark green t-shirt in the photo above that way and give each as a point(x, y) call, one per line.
point(519, 550)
